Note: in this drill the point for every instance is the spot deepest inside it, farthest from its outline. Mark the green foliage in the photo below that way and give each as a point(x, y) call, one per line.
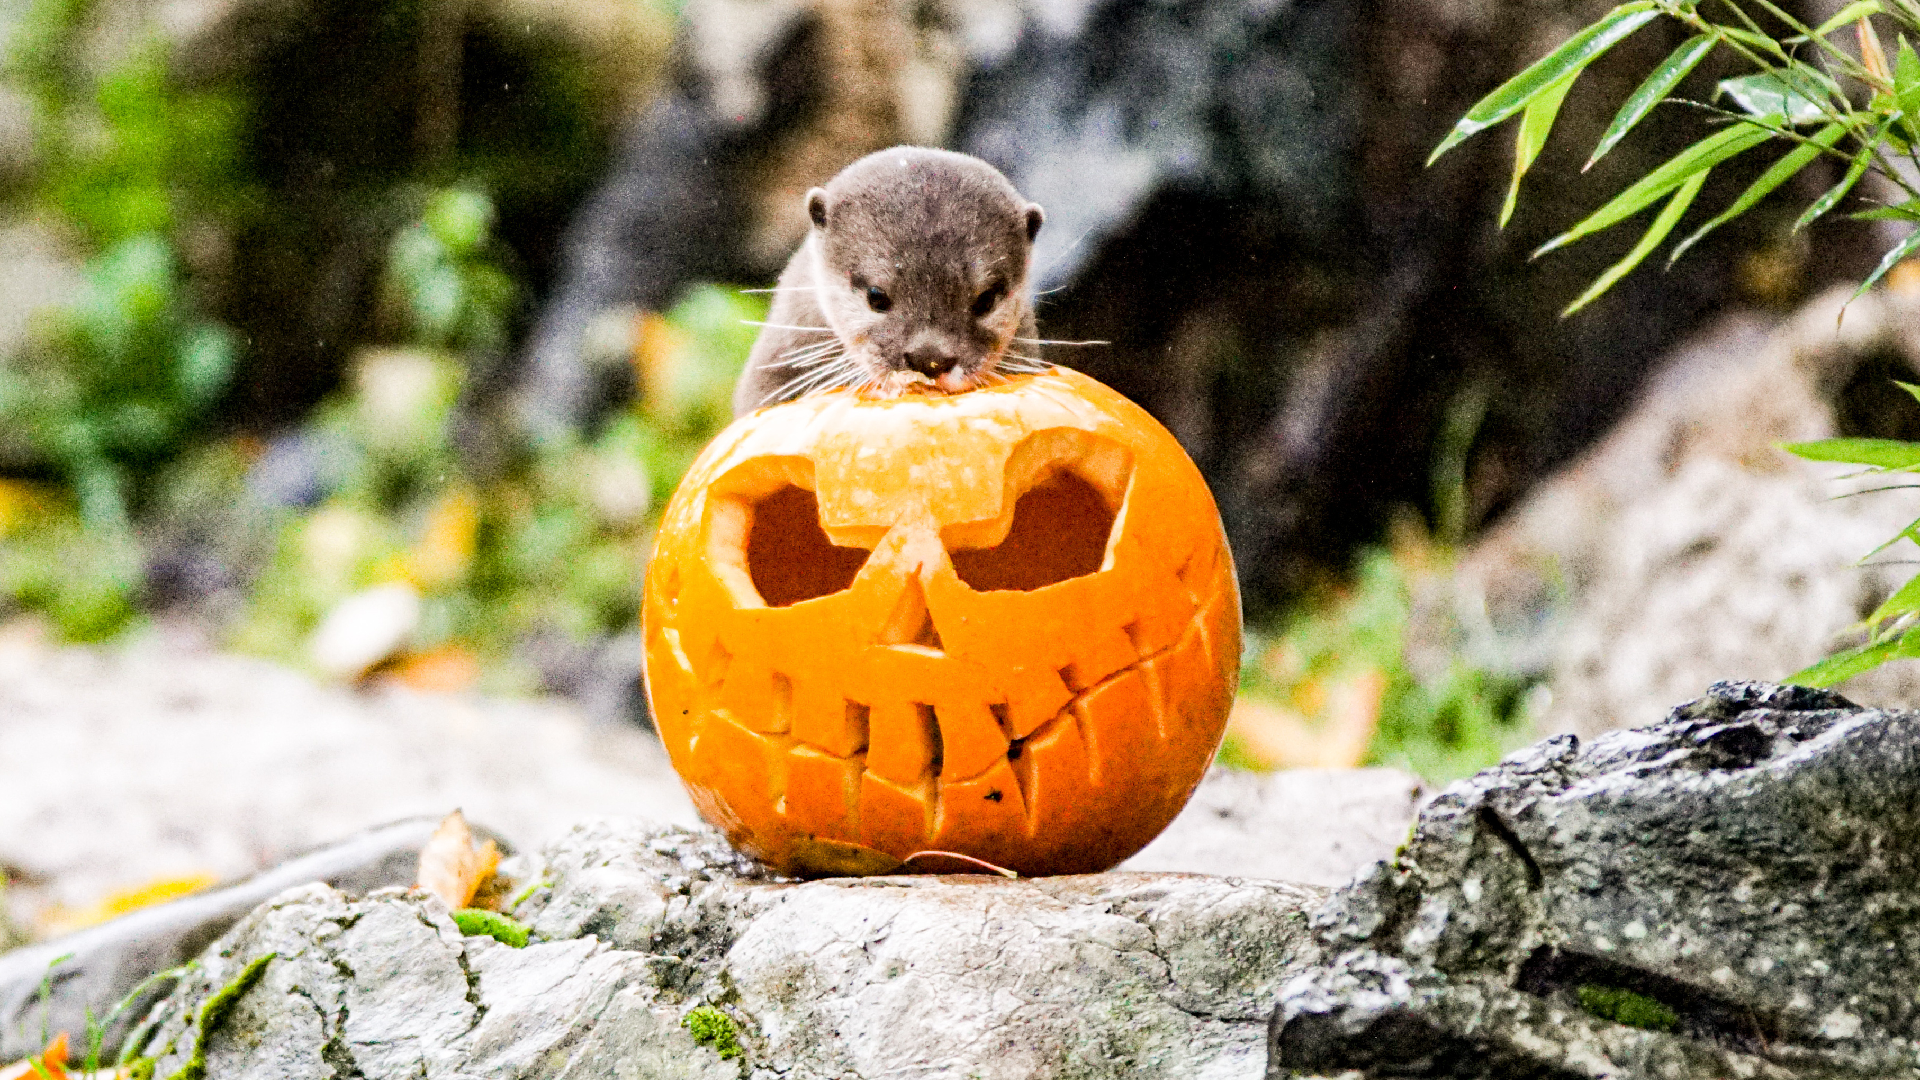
point(214, 1012)
point(1864, 112)
point(1627, 1007)
point(1893, 629)
point(117, 379)
point(1441, 725)
point(551, 544)
point(476, 922)
point(713, 1028)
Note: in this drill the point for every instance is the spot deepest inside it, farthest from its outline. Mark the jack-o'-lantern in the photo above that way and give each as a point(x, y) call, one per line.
point(1001, 624)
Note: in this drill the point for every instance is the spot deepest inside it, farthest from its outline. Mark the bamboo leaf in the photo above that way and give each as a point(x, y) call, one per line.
point(1753, 40)
point(1881, 453)
point(1695, 159)
point(1569, 59)
point(1792, 162)
point(1535, 125)
point(1912, 390)
point(1656, 232)
point(1905, 600)
point(1844, 665)
point(1853, 12)
point(1906, 211)
point(1839, 191)
point(1650, 92)
point(1906, 85)
point(1888, 261)
point(1769, 94)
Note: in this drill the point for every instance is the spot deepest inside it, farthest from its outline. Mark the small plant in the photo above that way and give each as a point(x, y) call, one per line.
point(1805, 94)
point(1627, 1007)
point(712, 1028)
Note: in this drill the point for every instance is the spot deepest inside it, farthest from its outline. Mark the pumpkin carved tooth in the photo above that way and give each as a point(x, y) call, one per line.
point(1001, 624)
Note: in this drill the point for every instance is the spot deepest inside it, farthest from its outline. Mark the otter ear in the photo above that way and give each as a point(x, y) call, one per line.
point(817, 207)
point(1035, 217)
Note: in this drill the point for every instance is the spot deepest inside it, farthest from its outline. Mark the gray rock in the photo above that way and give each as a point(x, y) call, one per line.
point(635, 927)
point(56, 985)
point(1686, 547)
point(1736, 881)
point(1247, 824)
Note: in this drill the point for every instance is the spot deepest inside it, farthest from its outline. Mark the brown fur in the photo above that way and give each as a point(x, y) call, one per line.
point(914, 274)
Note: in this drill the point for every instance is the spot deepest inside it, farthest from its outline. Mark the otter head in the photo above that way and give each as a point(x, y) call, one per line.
point(922, 266)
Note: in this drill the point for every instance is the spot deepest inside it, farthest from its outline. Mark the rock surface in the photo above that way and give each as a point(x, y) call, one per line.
point(1687, 547)
point(1737, 880)
point(637, 929)
point(1248, 824)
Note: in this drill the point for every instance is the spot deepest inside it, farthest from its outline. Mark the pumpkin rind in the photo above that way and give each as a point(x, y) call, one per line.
point(838, 720)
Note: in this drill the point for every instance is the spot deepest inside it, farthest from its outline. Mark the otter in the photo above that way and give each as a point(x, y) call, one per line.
point(913, 276)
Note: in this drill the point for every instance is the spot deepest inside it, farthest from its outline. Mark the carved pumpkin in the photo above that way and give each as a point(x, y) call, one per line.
point(1000, 623)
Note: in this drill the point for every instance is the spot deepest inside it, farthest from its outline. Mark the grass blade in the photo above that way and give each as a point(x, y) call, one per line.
point(1853, 12)
point(1695, 159)
point(1798, 158)
point(1650, 92)
point(1569, 59)
point(1656, 232)
point(1881, 453)
point(1839, 191)
point(1535, 125)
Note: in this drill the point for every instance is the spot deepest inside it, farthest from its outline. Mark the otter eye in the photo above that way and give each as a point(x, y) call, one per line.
point(877, 299)
point(986, 301)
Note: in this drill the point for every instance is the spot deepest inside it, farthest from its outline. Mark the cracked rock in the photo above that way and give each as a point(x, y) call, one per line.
point(1728, 893)
point(636, 926)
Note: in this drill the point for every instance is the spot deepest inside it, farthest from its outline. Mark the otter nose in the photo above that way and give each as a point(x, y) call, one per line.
point(930, 358)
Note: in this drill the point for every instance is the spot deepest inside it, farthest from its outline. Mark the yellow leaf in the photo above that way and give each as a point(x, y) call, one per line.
point(446, 547)
point(61, 920)
point(452, 867)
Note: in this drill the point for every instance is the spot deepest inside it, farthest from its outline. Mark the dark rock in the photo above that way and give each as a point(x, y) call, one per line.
point(1729, 892)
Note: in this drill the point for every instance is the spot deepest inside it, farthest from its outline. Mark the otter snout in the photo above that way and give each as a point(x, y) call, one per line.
point(930, 356)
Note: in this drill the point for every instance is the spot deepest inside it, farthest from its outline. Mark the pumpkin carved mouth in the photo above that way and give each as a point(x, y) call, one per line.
point(979, 649)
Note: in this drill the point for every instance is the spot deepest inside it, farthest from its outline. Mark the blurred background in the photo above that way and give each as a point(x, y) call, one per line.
point(370, 338)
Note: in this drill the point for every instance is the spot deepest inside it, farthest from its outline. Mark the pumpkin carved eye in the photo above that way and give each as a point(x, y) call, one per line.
point(788, 554)
point(1060, 531)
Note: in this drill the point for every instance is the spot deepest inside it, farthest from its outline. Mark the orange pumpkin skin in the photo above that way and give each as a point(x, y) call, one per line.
point(1002, 623)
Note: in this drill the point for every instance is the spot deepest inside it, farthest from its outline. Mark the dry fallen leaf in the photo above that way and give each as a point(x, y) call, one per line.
point(452, 867)
point(60, 920)
point(1344, 711)
point(448, 669)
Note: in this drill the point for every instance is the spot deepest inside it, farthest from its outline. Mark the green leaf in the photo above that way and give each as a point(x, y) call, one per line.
point(1534, 127)
point(1753, 40)
point(1880, 453)
point(1888, 261)
point(1906, 211)
point(1912, 390)
point(1656, 232)
point(1676, 171)
point(1650, 93)
point(1906, 85)
point(1569, 59)
point(1852, 13)
point(1795, 160)
point(1842, 666)
point(476, 922)
point(1770, 94)
point(1839, 191)
point(1905, 600)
